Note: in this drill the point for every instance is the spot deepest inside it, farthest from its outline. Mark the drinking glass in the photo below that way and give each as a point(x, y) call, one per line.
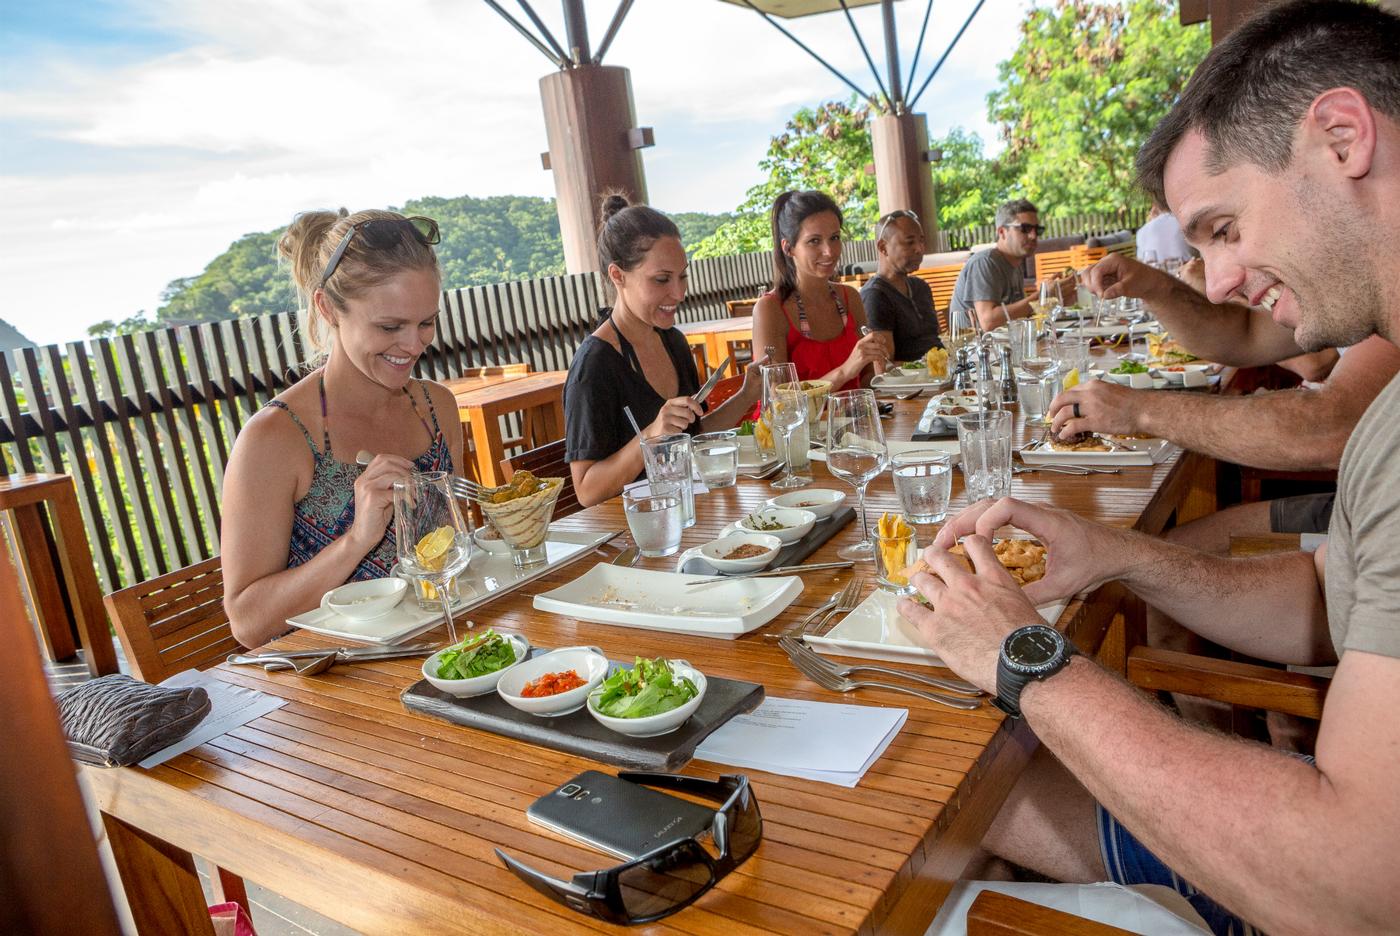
point(985, 442)
point(1022, 334)
point(923, 481)
point(1035, 394)
point(433, 538)
point(893, 555)
point(717, 457)
point(668, 458)
point(1072, 353)
point(855, 453)
point(786, 409)
point(654, 516)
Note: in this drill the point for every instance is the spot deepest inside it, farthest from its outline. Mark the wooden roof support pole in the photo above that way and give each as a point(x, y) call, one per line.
point(903, 173)
point(594, 146)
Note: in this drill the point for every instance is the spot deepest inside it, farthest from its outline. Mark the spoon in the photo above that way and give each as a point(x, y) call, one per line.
point(364, 457)
point(628, 557)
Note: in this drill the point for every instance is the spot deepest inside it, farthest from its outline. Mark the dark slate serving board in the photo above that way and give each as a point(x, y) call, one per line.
point(581, 734)
point(791, 554)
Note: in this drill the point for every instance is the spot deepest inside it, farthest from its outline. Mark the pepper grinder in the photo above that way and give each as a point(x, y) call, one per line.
point(1008, 378)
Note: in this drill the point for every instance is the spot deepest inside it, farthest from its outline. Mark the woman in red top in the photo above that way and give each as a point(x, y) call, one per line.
point(805, 318)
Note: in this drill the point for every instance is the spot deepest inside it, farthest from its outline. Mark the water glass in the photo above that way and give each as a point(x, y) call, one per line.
point(1072, 354)
point(785, 408)
point(923, 481)
point(654, 517)
point(985, 442)
point(1022, 334)
point(1035, 395)
point(717, 457)
point(426, 593)
point(668, 458)
point(432, 536)
point(856, 453)
point(893, 555)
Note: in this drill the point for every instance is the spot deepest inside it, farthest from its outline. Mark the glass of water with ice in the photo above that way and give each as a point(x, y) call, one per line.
point(717, 457)
point(654, 516)
point(923, 481)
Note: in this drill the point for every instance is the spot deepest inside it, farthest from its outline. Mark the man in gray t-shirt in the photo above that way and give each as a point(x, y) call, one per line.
point(991, 280)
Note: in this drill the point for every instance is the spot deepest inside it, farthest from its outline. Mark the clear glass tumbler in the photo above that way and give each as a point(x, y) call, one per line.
point(717, 457)
point(894, 555)
point(654, 517)
point(985, 442)
point(923, 482)
point(668, 458)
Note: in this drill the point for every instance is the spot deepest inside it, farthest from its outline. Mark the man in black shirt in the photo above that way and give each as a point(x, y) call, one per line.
point(894, 301)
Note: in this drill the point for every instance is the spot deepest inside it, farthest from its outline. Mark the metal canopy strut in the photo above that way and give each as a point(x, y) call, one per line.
point(544, 30)
point(618, 17)
point(889, 102)
point(558, 61)
point(803, 46)
point(919, 46)
point(939, 64)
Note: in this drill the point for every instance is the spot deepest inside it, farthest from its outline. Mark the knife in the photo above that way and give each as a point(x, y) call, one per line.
point(703, 393)
point(342, 654)
point(781, 570)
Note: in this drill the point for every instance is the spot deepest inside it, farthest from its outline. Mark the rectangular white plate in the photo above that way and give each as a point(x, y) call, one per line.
point(876, 631)
point(488, 576)
point(879, 382)
point(753, 461)
point(900, 446)
point(609, 594)
point(1139, 452)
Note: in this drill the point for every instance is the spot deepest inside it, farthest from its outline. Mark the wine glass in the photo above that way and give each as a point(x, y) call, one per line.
point(785, 407)
point(434, 540)
point(856, 453)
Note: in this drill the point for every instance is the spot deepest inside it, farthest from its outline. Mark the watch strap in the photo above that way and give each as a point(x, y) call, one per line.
point(1011, 682)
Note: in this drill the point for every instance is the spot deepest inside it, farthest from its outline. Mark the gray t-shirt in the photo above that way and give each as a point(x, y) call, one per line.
point(989, 276)
point(1363, 542)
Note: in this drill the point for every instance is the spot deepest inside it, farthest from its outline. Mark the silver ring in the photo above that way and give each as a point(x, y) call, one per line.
point(1077, 414)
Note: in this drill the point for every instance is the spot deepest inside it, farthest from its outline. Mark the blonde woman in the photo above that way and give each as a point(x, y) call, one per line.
point(300, 516)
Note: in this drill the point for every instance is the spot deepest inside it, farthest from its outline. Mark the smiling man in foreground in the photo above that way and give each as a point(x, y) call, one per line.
point(1282, 159)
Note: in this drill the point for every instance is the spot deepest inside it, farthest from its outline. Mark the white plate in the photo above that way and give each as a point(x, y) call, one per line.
point(609, 594)
point(1139, 452)
point(487, 576)
point(753, 461)
point(879, 382)
point(900, 446)
point(876, 631)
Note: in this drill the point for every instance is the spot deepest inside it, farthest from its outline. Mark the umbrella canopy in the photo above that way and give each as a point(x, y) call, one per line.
point(792, 9)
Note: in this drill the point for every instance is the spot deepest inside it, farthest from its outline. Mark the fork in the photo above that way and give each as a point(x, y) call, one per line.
point(828, 680)
point(797, 647)
point(827, 605)
point(466, 490)
point(845, 603)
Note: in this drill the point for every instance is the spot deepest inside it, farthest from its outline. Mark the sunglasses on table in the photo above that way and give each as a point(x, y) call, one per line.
point(668, 878)
point(1026, 228)
point(381, 234)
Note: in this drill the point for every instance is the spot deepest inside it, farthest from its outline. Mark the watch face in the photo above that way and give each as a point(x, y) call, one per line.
point(1033, 647)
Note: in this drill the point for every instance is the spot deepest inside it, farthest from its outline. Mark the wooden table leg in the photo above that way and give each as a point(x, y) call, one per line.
point(160, 881)
point(490, 449)
point(83, 593)
point(32, 546)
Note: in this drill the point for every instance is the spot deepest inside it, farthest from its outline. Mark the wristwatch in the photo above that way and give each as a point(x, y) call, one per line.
point(1032, 652)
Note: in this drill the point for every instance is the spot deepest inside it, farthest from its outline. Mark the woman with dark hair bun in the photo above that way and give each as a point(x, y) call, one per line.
point(805, 318)
point(636, 357)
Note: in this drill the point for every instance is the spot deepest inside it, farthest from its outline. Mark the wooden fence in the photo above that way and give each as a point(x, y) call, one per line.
point(1105, 222)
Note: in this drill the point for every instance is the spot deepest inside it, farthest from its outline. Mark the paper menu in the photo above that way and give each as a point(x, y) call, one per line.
point(825, 741)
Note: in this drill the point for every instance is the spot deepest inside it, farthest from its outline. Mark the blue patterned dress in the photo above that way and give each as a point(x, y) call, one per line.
point(327, 511)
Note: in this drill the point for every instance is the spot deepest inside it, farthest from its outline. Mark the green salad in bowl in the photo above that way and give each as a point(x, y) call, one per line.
point(473, 666)
point(652, 698)
point(1130, 367)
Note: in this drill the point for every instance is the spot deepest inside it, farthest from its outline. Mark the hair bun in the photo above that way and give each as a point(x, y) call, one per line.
point(613, 203)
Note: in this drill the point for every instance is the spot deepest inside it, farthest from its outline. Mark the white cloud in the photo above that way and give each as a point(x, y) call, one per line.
point(270, 108)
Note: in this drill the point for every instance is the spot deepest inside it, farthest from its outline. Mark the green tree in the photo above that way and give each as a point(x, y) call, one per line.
point(967, 184)
point(825, 148)
point(1086, 85)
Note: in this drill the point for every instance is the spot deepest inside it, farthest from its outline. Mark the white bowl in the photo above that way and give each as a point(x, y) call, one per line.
point(905, 376)
point(715, 551)
point(1198, 373)
point(363, 601)
point(477, 685)
point(588, 662)
point(1137, 381)
point(490, 544)
point(796, 523)
point(821, 501)
point(654, 725)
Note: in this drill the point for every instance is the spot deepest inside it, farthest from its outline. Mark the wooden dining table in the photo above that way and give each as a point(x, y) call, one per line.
point(714, 336)
point(386, 820)
point(482, 400)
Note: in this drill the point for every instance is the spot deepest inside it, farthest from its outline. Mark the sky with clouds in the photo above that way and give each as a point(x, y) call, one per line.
point(139, 138)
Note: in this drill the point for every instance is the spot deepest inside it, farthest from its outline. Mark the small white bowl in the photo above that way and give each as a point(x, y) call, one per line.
point(364, 601)
point(588, 662)
point(821, 501)
point(714, 552)
point(1136, 381)
point(1193, 374)
point(796, 523)
point(477, 685)
point(492, 544)
point(654, 725)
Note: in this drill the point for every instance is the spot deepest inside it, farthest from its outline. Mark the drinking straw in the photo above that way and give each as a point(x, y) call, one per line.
point(646, 455)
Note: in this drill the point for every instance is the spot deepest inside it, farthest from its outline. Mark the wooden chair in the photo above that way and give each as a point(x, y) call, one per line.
point(741, 350)
point(1053, 263)
point(741, 308)
point(173, 623)
point(941, 281)
point(1245, 684)
point(996, 914)
point(702, 366)
point(547, 461)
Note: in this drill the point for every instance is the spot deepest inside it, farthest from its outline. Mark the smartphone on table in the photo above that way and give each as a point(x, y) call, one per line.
point(621, 818)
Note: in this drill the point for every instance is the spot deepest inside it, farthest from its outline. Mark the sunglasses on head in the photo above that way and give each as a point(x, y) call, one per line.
point(381, 234)
point(668, 878)
point(1026, 228)
point(895, 216)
